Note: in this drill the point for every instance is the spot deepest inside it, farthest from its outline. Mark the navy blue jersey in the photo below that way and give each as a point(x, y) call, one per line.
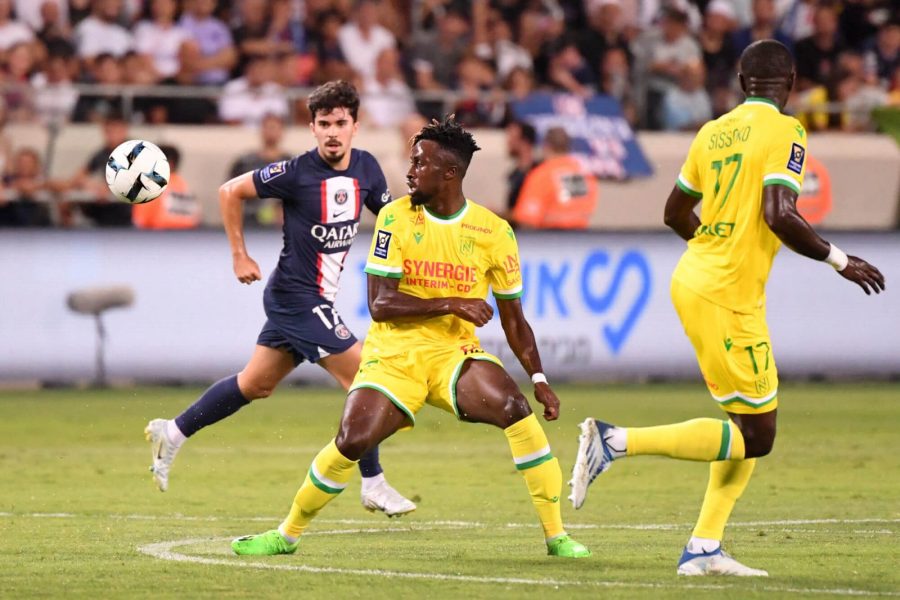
point(321, 217)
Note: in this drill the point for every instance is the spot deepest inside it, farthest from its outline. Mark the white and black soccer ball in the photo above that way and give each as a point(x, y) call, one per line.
point(137, 172)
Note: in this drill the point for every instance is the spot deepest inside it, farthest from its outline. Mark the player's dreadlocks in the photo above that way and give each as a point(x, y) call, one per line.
point(450, 136)
point(332, 95)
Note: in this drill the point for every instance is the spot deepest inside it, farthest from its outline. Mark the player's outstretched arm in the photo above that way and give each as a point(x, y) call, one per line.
point(232, 194)
point(520, 338)
point(680, 215)
point(780, 212)
point(388, 303)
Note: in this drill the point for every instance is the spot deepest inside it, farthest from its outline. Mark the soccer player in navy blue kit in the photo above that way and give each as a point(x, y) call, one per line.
point(323, 192)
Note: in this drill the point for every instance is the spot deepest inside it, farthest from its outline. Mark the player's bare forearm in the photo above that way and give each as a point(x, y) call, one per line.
point(388, 303)
point(519, 335)
point(780, 212)
point(680, 215)
point(231, 204)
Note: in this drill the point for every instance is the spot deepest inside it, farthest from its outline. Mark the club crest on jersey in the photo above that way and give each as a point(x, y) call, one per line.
point(341, 197)
point(798, 155)
point(466, 245)
point(382, 243)
point(341, 331)
point(272, 171)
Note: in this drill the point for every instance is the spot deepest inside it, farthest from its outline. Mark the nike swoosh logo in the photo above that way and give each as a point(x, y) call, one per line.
point(335, 215)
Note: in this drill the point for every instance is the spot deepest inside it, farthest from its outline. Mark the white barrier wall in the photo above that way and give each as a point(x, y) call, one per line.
point(599, 304)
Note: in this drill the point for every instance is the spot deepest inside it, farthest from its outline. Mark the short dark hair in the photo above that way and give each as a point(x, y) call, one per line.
point(450, 136)
point(333, 95)
point(527, 131)
point(766, 59)
point(558, 140)
point(172, 155)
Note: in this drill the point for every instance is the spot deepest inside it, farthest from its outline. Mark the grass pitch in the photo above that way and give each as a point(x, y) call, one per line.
point(79, 514)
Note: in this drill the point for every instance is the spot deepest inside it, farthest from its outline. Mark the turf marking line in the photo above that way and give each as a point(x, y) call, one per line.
point(166, 551)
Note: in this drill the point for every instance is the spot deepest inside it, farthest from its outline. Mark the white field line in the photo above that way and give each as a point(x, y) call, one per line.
point(444, 523)
point(166, 551)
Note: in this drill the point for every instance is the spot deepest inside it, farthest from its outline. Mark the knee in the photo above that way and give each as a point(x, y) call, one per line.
point(758, 440)
point(254, 390)
point(352, 444)
point(515, 409)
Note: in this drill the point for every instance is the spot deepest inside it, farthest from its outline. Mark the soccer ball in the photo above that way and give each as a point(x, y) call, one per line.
point(137, 172)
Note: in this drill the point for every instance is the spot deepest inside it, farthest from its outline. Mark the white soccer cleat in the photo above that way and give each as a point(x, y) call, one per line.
point(717, 562)
point(594, 458)
point(163, 450)
point(381, 496)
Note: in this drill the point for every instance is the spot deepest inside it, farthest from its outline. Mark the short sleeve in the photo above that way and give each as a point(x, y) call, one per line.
point(379, 195)
point(274, 180)
point(689, 180)
point(385, 257)
point(505, 273)
point(786, 162)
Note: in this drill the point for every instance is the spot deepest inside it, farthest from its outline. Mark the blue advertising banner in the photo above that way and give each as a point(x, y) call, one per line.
point(599, 132)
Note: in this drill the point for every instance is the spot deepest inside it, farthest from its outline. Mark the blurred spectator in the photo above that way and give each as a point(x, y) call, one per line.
point(520, 140)
point(858, 95)
point(664, 51)
point(106, 70)
point(567, 70)
point(797, 22)
point(161, 39)
point(55, 96)
point(560, 193)
point(5, 145)
point(16, 73)
point(816, 56)
point(177, 207)
point(53, 28)
point(89, 197)
point(616, 82)
point(498, 47)
point(436, 54)
point(32, 12)
point(23, 202)
point(264, 212)
point(12, 32)
point(719, 54)
point(363, 39)
point(519, 84)
point(101, 33)
point(764, 26)
point(210, 55)
point(478, 104)
point(883, 56)
point(687, 106)
point(264, 30)
point(249, 98)
point(604, 33)
point(386, 99)
point(332, 63)
point(859, 20)
point(138, 69)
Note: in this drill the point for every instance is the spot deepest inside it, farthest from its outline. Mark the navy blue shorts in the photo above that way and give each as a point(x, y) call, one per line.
point(310, 331)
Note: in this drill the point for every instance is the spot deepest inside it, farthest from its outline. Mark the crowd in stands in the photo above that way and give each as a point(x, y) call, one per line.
point(670, 63)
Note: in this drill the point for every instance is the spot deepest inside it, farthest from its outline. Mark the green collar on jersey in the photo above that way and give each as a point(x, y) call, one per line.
point(761, 100)
point(447, 217)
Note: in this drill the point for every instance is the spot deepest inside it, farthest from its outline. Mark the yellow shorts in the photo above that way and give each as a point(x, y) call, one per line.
point(734, 352)
point(410, 378)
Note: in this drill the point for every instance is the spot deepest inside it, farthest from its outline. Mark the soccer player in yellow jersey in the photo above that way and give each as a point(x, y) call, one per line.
point(747, 168)
point(433, 257)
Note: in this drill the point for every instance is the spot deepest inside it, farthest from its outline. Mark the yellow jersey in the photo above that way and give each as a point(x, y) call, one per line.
point(730, 162)
point(438, 257)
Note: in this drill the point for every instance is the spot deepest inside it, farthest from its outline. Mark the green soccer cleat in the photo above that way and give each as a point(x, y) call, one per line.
point(264, 544)
point(567, 548)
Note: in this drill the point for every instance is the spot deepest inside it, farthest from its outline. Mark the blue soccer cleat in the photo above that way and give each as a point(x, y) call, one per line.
point(594, 457)
point(716, 562)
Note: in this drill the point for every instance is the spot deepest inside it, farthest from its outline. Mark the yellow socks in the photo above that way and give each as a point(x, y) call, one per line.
point(697, 439)
point(531, 453)
point(327, 477)
point(727, 481)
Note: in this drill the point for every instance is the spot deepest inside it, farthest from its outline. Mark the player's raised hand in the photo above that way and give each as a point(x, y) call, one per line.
point(546, 396)
point(864, 275)
point(474, 310)
point(246, 269)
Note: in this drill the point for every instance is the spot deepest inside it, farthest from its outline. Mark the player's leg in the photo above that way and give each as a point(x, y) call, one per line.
point(369, 418)
point(376, 493)
point(485, 393)
point(264, 371)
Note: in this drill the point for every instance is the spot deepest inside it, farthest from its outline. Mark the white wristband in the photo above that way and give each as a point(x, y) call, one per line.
point(538, 378)
point(837, 258)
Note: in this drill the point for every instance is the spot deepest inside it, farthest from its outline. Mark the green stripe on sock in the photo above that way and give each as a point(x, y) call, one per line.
point(726, 441)
point(322, 486)
point(533, 463)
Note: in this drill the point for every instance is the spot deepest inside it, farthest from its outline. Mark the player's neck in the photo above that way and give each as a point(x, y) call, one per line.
point(446, 206)
point(765, 95)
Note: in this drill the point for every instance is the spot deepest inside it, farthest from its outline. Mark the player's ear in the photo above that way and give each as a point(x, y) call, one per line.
point(743, 82)
point(451, 172)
